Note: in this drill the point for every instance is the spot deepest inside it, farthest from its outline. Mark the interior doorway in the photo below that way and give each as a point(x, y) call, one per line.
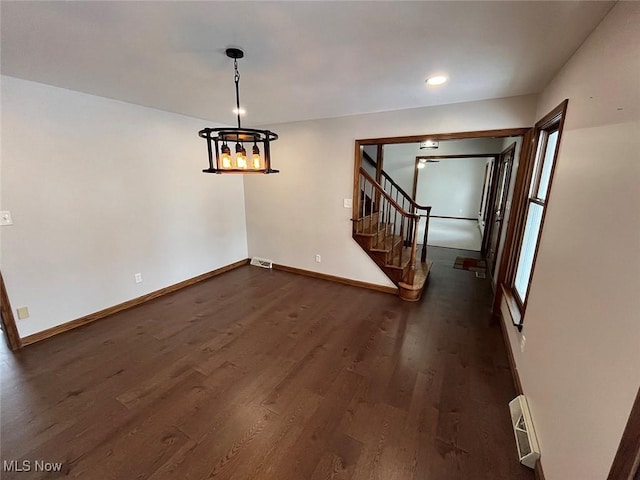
point(454, 185)
point(393, 163)
point(497, 205)
point(8, 323)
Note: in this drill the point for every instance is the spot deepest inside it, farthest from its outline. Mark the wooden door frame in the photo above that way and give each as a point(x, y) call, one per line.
point(626, 463)
point(8, 321)
point(360, 143)
point(486, 239)
point(486, 189)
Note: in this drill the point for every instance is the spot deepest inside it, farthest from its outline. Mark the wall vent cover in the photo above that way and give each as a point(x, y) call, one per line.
point(261, 262)
point(526, 440)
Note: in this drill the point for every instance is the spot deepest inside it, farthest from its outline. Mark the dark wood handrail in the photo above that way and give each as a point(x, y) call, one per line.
point(407, 197)
point(403, 193)
point(368, 158)
point(395, 204)
point(389, 238)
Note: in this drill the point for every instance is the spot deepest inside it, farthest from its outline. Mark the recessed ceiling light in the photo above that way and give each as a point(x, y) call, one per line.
point(436, 80)
point(240, 111)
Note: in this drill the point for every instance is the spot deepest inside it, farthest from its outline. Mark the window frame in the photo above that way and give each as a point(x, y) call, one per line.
point(528, 193)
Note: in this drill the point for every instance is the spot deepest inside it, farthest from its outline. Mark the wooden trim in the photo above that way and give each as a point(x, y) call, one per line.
point(512, 363)
point(520, 199)
point(512, 305)
point(453, 157)
point(92, 317)
point(380, 159)
point(333, 278)
point(538, 470)
point(416, 172)
point(485, 183)
point(508, 251)
point(626, 463)
point(8, 321)
point(504, 132)
point(553, 116)
point(557, 115)
point(490, 214)
point(355, 201)
point(491, 198)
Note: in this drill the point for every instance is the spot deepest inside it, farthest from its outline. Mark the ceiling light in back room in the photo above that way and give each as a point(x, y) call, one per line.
point(436, 80)
point(239, 111)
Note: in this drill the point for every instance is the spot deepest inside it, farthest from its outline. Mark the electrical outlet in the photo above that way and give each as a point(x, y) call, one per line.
point(318, 259)
point(523, 341)
point(23, 312)
point(138, 277)
point(347, 203)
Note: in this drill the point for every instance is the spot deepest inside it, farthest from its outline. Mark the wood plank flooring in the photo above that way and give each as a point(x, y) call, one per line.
point(261, 374)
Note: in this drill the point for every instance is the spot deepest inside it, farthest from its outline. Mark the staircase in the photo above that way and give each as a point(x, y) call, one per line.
point(386, 225)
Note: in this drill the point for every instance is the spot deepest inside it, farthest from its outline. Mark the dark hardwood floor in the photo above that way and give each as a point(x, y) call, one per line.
point(270, 375)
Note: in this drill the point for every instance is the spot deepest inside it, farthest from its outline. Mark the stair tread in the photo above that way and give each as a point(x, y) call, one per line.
point(406, 258)
point(420, 277)
point(371, 232)
point(375, 228)
point(391, 242)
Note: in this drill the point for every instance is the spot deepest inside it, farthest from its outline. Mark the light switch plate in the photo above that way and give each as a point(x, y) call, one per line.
point(347, 203)
point(5, 218)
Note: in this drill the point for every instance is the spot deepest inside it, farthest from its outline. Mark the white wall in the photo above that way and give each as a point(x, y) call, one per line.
point(580, 367)
point(452, 186)
point(399, 159)
point(298, 213)
point(399, 162)
point(100, 190)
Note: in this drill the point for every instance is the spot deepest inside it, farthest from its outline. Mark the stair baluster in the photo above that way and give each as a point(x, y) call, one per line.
point(387, 227)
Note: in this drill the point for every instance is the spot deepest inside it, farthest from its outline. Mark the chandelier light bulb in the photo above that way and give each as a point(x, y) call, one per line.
point(256, 157)
point(226, 156)
point(241, 157)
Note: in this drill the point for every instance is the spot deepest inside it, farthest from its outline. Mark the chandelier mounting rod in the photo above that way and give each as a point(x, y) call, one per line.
point(236, 53)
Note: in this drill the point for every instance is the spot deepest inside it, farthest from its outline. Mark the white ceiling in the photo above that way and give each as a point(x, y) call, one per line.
point(303, 60)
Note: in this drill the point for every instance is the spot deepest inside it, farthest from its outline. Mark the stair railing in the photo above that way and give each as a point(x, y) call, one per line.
point(390, 219)
point(408, 203)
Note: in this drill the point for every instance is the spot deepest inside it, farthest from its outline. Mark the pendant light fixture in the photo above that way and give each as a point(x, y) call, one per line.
point(219, 139)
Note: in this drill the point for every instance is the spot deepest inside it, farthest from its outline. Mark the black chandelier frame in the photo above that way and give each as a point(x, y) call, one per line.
point(219, 138)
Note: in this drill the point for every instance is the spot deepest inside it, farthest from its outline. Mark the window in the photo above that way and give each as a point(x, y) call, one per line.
point(532, 208)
